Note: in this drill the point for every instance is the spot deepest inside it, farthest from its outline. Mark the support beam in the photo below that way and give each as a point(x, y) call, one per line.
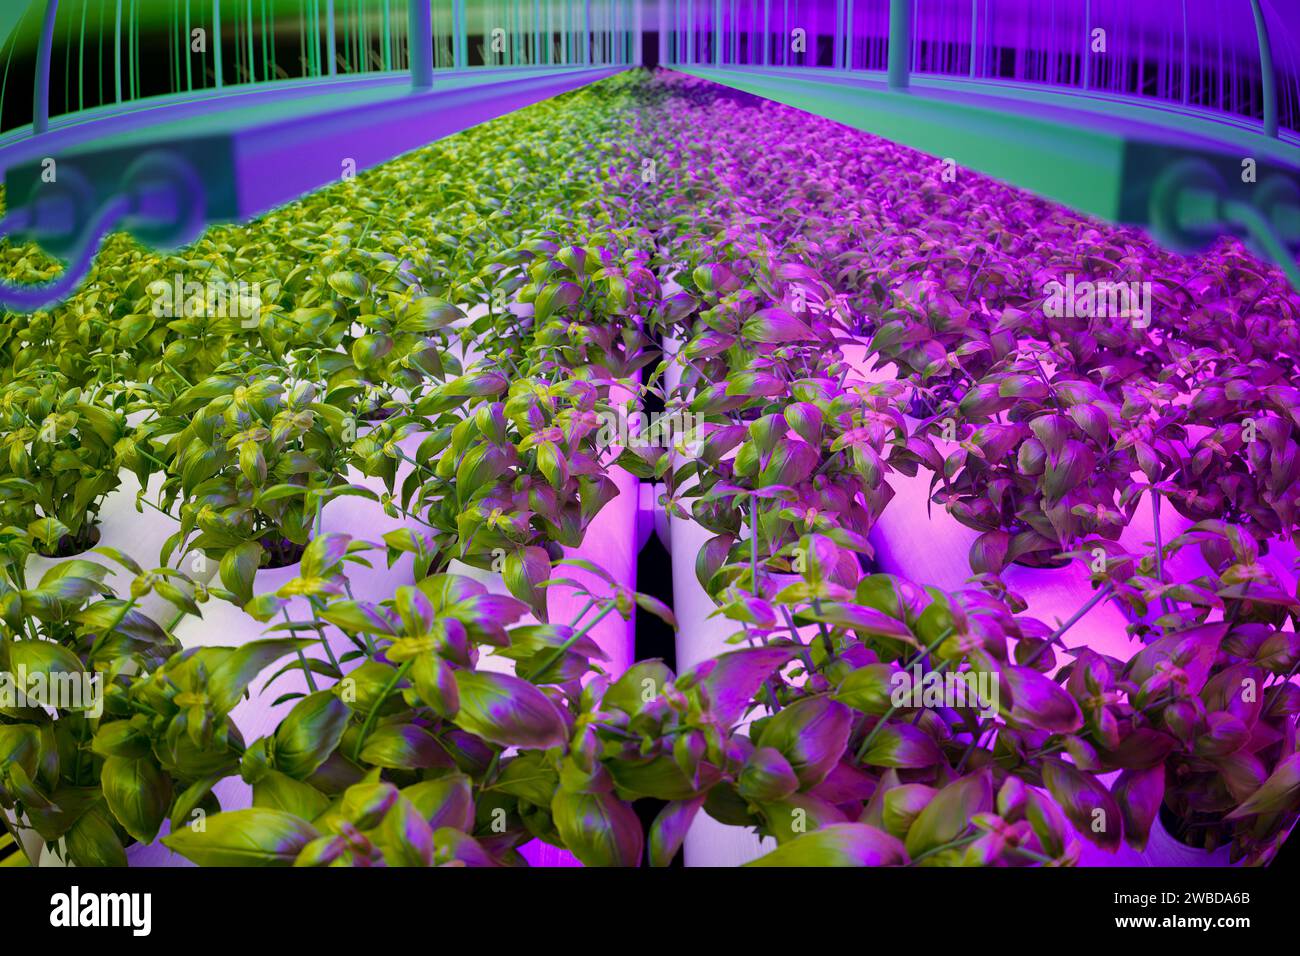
point(332, 37)
point(690, 32)
point(216, 45)
point(458, 34)
point(565, 10)
point(1187, 59)
point(41, 95)
point(252, 50)
point(388, 38)
point(420, 29)
point(717, 32)
point(1266, 71)
point(900, 44)
point(837, 37)
point(586, 33)
point(1087, 43)
point(848, 36)
point(974, 33)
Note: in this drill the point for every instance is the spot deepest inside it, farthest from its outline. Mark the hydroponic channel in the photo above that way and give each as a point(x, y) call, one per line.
point(979, 481)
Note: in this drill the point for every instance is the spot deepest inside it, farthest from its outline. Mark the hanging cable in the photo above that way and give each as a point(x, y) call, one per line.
point(1258, 227)
point(31, 298)
point(161, 201)
point(1190, 208)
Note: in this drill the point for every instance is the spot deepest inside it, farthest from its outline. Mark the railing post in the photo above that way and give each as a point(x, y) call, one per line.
point(1267, 74)
point(837, 38)
point(690, 32)
point(216, 45)
point(848, 36)
point(900, 44)
point(586, 33)
point(388, 38)
point(41, 99)
point(717, 33)
point(638, 39)
point(420, 27)
point(735, 35)
point(1187, 59)
point(331, 36)
point(1087, 43)
point(974, 33)
point(458, 31)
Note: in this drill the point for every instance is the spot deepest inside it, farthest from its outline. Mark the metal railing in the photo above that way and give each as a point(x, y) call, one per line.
point(1235, 57)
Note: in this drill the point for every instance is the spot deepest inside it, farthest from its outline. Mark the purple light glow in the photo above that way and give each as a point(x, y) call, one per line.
point(1147, 47)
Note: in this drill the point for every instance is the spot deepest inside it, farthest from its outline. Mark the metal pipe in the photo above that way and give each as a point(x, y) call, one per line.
point(848, 36)
point(420, 27)
point(900, 44)
point(252, 75)
point(41, 97)
point(1087, 43)
point(974, 33)
point(837, 39)
point(458, 34)
point(388, 38)
point(717, 33)
point(216, 45)
point(1267, 74)
point(586, 32)
point(331, 36)
point(690, 32)
point(1187, 59)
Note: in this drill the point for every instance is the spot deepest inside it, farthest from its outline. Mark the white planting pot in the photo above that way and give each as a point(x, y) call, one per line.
point(1161, 850)
point(138, 534)
point(608, 544)
point(699, 638)
point(28, 839)
point(932, 548)
point(918, 540)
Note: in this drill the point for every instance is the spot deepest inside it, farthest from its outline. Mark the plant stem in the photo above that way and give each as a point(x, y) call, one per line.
point(126, 609)
point(1092, 602)
point(952, 845)
point(591, 602)
point(560, 651)
point(1160, 551)
point(159, 510)
point(374, 711)
point(177, 374)
point(306, 670)
point(943, 666)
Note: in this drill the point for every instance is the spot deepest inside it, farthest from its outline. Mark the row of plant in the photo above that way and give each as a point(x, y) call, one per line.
point(347, 368)
point(1045, 444)
point(710, 285)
